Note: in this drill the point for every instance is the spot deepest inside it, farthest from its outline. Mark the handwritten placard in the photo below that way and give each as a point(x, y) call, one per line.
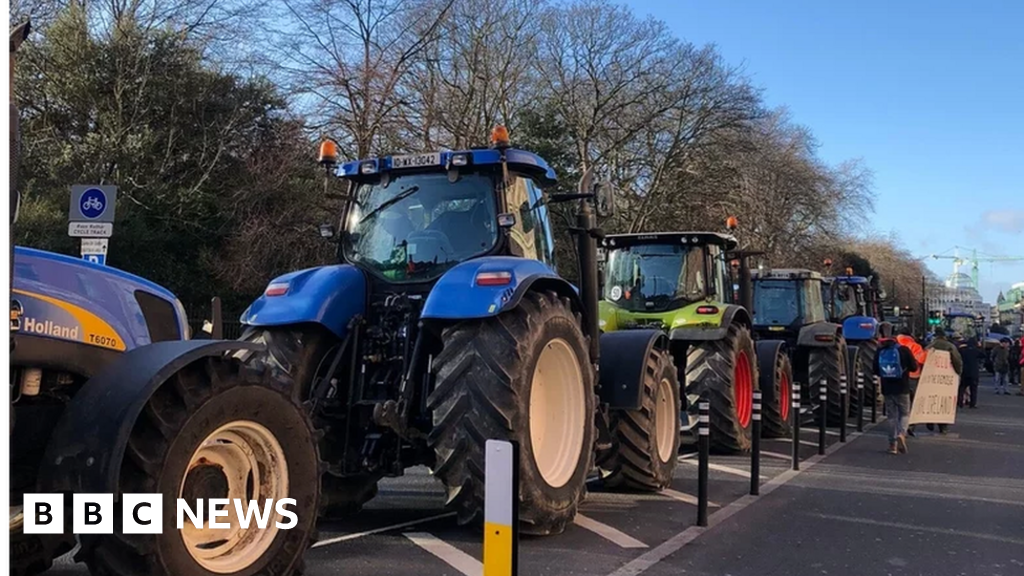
point(935, 400)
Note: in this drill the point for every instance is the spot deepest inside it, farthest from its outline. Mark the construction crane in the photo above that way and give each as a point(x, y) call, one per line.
point(973, 259)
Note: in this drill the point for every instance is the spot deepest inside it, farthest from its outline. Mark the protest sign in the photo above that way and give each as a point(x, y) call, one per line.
point(935, 400)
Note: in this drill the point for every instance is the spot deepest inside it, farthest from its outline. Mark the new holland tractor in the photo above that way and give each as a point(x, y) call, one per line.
point(854, 302)
point(788, 307)
point(108, 396)
point(680, 283)
point(446, 325)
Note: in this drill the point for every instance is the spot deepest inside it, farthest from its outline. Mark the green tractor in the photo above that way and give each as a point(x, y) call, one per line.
point(788, 306)
point(680, 282)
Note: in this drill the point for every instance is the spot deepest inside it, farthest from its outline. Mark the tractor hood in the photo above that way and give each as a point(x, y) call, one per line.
point(702, 314)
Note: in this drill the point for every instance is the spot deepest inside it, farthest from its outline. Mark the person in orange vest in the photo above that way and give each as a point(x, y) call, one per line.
point(906, 338)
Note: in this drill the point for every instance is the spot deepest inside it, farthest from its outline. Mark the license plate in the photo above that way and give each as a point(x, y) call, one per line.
point(776, 328)
point(416, 160)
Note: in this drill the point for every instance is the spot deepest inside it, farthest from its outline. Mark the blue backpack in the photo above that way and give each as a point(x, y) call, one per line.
point(889, 363)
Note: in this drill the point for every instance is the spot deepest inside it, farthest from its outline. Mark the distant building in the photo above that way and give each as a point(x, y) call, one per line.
point(957, 294)
point(1009, 309)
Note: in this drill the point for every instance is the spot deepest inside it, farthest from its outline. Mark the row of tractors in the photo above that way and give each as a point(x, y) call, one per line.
point(445, 324)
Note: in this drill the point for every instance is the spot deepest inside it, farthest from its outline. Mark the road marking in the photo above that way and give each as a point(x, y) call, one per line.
point(726, 469)
point(776, 455)
point(684, 497)
point(686, 456)
point(919, 528)
point(648, 559)
point(789, 441)
point(384, 529)
point(608, 533)
point(815, 430)
point(451, 555)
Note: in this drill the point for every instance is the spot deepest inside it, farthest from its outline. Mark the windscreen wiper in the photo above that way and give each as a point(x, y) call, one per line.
point(390, 202)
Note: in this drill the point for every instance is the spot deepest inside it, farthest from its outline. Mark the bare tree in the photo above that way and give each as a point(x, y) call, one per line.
point(346, 60)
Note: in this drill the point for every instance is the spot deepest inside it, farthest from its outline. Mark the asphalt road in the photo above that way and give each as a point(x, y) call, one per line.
point(953, 506)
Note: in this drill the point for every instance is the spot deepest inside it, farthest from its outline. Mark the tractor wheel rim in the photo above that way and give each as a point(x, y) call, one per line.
point(665, 418)
point(13, 520)
point(744, 383)
point(784, 397)
point(557, 413)
point(243, 460)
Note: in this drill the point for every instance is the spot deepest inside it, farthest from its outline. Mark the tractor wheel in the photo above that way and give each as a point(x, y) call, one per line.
point(855, 370)
point(217, 429)
point(868, 349)
point(828, 364)
point(645, 442)
point(727, 370)
point(299, 355)
point(776, 379)
point(526, 376)
point(33, 554)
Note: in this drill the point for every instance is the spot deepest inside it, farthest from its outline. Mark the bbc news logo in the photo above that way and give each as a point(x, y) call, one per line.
point(143, 513)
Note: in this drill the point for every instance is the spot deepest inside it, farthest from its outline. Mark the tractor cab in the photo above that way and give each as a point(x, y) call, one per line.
point(410, 219)
point(786, 300)
point(845, 296)
point(651, 278)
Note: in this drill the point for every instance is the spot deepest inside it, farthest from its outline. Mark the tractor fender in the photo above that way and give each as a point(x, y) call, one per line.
point(860, 328)
point(809, 334)
point(88, 444)
point(327, 295)
point(623, 361)
point(458, 296)
point(733, 314)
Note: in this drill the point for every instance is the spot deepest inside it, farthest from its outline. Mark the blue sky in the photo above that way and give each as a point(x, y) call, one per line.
point(930, 94)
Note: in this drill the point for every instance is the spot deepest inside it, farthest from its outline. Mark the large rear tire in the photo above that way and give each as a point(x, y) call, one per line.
point(776, 381)
point(300, 355)
point(524, 375)
point(727, 370)
point(645, 442)
point(828, 364)
point(217, 429)
point(33, 554)
point(872, 393)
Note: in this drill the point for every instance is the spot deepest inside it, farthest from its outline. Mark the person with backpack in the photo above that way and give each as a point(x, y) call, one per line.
point(893, 365)
point(942, 343)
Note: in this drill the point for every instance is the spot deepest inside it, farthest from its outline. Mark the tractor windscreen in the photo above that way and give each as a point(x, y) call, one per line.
point(849, 300)
point(419, 225)
point(776, 302)
point(654, 277)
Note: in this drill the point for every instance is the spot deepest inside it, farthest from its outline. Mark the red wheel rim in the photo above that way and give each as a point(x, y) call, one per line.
point(744, 382)
point(784, 397)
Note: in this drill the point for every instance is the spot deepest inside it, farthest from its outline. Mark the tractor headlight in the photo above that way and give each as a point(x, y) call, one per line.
point(368, 167)
point(460, 160)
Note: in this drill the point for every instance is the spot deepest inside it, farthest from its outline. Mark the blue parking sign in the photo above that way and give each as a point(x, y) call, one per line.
point(100, 259)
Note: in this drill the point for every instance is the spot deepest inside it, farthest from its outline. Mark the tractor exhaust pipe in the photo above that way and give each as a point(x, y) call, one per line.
point(11, 161)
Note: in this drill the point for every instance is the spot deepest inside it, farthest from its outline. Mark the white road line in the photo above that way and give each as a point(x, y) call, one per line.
point(648, 559)
point(687, 456)
point(684, 497)
point(383, 529)
point(790, 441)
point(726, 469)
point(919, 528)
point(451, 555)
point(608, 533)
point(815, 430)
point(776, 455)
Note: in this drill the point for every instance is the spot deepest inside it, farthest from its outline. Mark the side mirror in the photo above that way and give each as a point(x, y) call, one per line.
point(604, 199)
point(327, 231)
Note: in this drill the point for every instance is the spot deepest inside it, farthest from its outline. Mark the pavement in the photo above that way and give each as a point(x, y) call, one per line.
point(953, 506)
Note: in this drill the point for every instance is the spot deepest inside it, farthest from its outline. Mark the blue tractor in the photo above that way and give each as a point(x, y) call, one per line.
point(854, 302)
point(109, 396)
point(447, 324)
